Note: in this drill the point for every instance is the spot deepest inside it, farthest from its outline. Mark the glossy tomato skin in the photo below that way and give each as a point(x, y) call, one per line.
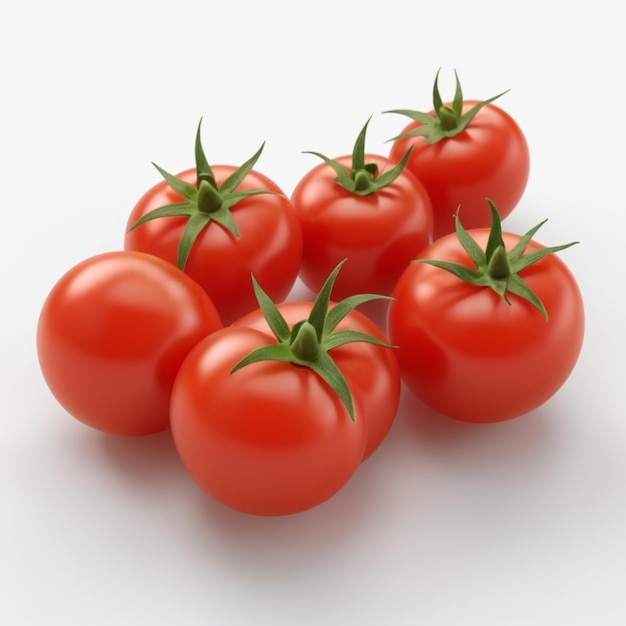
point(372, 372)
point(269, 439)
point(467, 353)
point(379, 233)
point(489, 159)
point(269, 245)
point(111, 335)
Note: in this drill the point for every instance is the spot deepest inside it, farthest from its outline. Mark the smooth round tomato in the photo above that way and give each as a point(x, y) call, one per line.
point(269, 245)
point(488, 159)
point(372, 371)
point(378, 233)
point(111, 335)
point(468, 354)
point(269, 439)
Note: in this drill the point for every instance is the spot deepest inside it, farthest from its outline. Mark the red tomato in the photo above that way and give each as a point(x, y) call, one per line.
point(467, 353)
point(378, 383)
point(269, 243)
point(378, 233)
point(269, 439)
point(489, 158)
point(111, 336)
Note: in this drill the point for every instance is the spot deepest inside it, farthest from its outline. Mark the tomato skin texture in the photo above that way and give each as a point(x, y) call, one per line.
point(372, 372)
point(270, 439)
point(269, 246)
point(111, 335)
point(489, 159)
point(379, 233)
point(468, 354)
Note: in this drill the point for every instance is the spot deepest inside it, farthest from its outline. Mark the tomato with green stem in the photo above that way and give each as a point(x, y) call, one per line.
point(219, 224)
point(489, 325)
point(463, 152)
point(362, 208)
point(112, 334)
point(268, 419)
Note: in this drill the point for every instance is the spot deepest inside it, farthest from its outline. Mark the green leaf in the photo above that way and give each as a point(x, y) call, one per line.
point(271, 352)
point(496, 267)
point(343, 173)
point(474, 251)
point(495, 240)
point(195, 224)
point(187, 191)
point(235, 179)
point(342, 337)
point(341, 309)
point(273, 317)
point(319, 310)
point(358, 152)
point(309, 342)
point(328, 371)
point(203, 169)
point(445, 121)
point(179, 209)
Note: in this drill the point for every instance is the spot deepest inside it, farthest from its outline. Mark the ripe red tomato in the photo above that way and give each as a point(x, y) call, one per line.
point(111, 335)
point(488, 157)
point(468, 353)
point(269, 439)
point(271, 417)
point(256, 233)
point(378, 383)
point(378, 232)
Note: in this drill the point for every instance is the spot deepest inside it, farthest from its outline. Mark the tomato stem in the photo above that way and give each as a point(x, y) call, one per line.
point(209, 199)
point(448, 119)
point(362, 180)
point(499, 267)
point(306, 345)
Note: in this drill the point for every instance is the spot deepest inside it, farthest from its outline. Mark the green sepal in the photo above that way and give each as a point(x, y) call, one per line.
point(496, 267)
point(309, 342)
point(363, 179)
point(205, 202)
point(445, 121)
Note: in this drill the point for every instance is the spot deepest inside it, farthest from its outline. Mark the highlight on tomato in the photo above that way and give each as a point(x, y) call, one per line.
point(272, 418)
point(219, 224)
point(489, 325)
point(363, 208)
point(463, 152)
point(112, 334)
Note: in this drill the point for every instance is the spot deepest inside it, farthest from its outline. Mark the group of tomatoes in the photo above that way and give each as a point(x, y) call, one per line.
point(273, 405)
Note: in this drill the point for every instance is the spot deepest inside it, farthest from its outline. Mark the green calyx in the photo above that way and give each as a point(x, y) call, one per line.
point(310, 342)
point(205, 202)
point(496, 267)
point(363, 179)
point(446, 121)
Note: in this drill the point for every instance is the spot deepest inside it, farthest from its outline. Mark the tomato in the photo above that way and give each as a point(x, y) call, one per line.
point(379, 383)
point(245, 229)
point(487, 157)
point(468, 353)
point(379, 229)
point(112, 334)
point(271, 417)
point(269, 439)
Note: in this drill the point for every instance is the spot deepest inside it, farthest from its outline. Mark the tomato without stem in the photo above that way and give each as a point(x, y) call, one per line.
point(372, 371)
point(111, 336)
point(468, 353)
point(365, 209)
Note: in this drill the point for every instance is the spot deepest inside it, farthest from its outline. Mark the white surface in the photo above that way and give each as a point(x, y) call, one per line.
point(521, 523)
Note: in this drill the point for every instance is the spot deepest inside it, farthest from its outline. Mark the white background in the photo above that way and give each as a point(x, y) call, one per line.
point(520, 523)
